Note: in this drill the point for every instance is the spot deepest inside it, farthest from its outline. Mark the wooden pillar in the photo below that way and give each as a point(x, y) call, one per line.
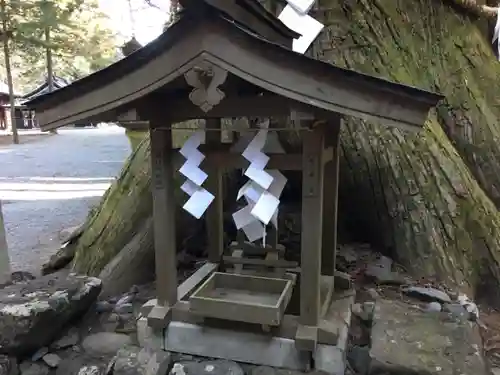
point(5, 271)
point(312, 225)
point(330, 198)
point(162, 186)
point(215, 213)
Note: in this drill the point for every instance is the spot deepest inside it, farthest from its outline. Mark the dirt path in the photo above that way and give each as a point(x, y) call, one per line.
point(50, 184)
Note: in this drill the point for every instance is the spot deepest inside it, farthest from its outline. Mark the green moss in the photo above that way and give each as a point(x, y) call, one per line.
point(428, 197)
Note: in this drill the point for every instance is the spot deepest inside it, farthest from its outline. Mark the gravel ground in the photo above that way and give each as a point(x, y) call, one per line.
point(51, 184)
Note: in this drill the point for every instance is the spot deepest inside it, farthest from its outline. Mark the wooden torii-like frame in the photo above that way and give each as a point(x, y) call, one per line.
point(223, 59)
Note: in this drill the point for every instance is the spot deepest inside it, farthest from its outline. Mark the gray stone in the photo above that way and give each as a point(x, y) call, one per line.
point(359, 358)
point(77, 363)
point(133, 360)
point(363, 311)
point(89, 370)
point(8, 365)
point(427, 294)
point(124, 308)
point(126, 298)
point(33, 314)
point(68, 340)
point(329, 360)
point(342, 281)
point(216, 367)
point(52, 360)
point(21, 277)
point(495, 371)
point(407, 340)
point(456, 310)
point(372, 293)
point(433, 307)
point(39, 354)
point(103, 307)
point(383, 275)
point(105, 342)
point(265, 370)
point(28, 368)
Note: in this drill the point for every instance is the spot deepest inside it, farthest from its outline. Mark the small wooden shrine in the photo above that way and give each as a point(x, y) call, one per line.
point(232, 59)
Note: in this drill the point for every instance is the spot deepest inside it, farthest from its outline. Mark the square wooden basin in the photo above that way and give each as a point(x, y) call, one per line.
point(244, 298)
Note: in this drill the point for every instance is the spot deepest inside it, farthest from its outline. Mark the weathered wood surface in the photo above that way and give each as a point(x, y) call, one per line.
point(412, 196)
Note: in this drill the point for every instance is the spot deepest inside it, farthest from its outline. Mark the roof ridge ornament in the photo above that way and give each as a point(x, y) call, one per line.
point(205, 78)
point(295, 17)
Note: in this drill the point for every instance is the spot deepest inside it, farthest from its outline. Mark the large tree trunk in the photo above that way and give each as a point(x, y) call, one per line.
point(124, 207)
point(426, 199)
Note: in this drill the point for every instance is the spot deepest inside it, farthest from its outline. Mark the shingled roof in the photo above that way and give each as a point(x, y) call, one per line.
point(242, 38)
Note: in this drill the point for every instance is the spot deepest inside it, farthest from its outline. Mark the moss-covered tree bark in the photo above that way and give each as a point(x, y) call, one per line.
point(429, 199)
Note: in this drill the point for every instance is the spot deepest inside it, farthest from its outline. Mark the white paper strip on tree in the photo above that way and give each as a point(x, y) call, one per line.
point(496, 36)
point(301, 6)
point(301, 23)
point(199, 198)
point(261, 192)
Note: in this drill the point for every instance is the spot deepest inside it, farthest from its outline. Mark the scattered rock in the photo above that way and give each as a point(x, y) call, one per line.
point(359, 358)
point(217, 367)
point(8, 366)
point(470, 306)
point(124, 308)
point(77, 363)
point(380, 272)
point(90, 370)
point(52, 360)
point(383, 276)
point(32, 314)
point(103, 307)
point(105, 343)
point(21, 277)
point(265, 370)
point(70, 339)
point(408, 341)
point(342, 281)
point(39, 354)
point(126, 299)
point(433, 307)
point(364, 311)
point(427, 294)
point(133, 360)
point(456, 310)
point(372, 293)
point(28, 368)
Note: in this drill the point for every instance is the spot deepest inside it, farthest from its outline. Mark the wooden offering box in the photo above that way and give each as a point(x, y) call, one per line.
point(244, 298)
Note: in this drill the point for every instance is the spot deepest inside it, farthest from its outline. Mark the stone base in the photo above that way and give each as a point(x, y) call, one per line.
point(246, 347)
point(254, 348)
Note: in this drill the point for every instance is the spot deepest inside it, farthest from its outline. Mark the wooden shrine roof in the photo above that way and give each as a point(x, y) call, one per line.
point(217, 32)
point(57, 82)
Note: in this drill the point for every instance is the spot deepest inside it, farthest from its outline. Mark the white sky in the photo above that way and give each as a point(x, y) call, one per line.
point(148, 22)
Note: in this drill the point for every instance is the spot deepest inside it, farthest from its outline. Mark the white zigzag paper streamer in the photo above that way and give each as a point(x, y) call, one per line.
point(199, 198)
point(295, 17)
point(496, 37)
point(261, 192)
